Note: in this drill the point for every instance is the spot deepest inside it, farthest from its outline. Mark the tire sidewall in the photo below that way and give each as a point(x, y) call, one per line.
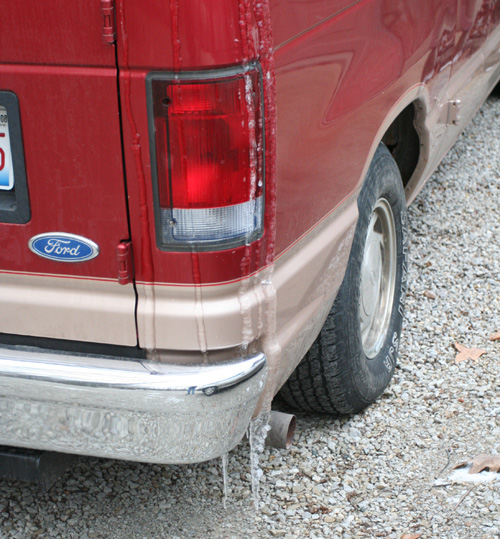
point(368, 377)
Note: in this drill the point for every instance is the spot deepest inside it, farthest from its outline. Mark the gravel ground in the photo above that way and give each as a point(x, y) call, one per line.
point(383, 473)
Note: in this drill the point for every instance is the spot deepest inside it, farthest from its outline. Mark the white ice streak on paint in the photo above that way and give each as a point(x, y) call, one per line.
point(266, 325)
point(251, 131)
point(243, 293)
point(260, 318)
point(246, 314)
point(200, 322)
point(270, 344)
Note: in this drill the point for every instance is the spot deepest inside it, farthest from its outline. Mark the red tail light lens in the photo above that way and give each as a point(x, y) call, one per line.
point(208, 153)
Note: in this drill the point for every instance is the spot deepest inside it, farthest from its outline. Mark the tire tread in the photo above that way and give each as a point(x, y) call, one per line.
point(328, 379)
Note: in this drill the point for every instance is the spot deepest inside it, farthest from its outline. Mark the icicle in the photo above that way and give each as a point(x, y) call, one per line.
point(224, 477)
point(259, 427)
point(198, 308)
point(263, 50)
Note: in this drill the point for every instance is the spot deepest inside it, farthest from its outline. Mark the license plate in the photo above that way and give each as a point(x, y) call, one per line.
point(6, 168)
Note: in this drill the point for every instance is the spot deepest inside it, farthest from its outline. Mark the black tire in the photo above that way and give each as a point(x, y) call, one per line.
point(353, 358)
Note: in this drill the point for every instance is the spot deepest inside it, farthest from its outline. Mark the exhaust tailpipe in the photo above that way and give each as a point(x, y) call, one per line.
point(282, 430)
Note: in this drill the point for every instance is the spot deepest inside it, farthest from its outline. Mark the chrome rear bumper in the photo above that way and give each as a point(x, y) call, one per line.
point(127, 409)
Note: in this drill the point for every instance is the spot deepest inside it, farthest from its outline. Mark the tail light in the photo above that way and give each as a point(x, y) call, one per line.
point(207, 155)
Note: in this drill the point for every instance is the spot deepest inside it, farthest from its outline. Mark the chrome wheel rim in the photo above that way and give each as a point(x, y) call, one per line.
point(378, 278)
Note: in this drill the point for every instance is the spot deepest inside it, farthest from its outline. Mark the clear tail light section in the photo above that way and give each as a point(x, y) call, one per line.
point(207, 140)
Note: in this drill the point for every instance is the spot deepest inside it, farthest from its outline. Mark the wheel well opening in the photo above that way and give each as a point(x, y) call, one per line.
point(403, 141)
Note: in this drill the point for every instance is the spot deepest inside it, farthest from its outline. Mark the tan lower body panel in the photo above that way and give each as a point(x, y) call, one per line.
point(66, 308)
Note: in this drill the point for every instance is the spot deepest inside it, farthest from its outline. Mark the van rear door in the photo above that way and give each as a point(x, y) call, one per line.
point(63, 212)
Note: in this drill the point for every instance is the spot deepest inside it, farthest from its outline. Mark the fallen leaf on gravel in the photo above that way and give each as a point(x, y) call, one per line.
point(429, 295)
point(468, 353)
point(482, 462)
point(411, 536)
point(495, 336)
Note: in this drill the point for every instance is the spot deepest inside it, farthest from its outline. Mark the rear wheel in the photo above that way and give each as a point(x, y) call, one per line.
point(353, 358)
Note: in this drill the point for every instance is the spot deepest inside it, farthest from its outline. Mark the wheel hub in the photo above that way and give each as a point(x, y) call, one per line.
point(378, 277)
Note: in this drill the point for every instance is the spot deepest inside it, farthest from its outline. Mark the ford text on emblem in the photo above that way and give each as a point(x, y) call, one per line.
point(63, 247)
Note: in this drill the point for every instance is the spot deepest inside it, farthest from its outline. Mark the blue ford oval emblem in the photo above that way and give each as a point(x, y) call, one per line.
point(63, 247)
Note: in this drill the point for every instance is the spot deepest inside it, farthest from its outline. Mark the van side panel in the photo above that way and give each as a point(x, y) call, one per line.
point(187, 35)
point(336, 83)
point(53, 32)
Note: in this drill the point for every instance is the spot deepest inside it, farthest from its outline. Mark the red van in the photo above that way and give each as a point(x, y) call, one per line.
point(202, 203)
